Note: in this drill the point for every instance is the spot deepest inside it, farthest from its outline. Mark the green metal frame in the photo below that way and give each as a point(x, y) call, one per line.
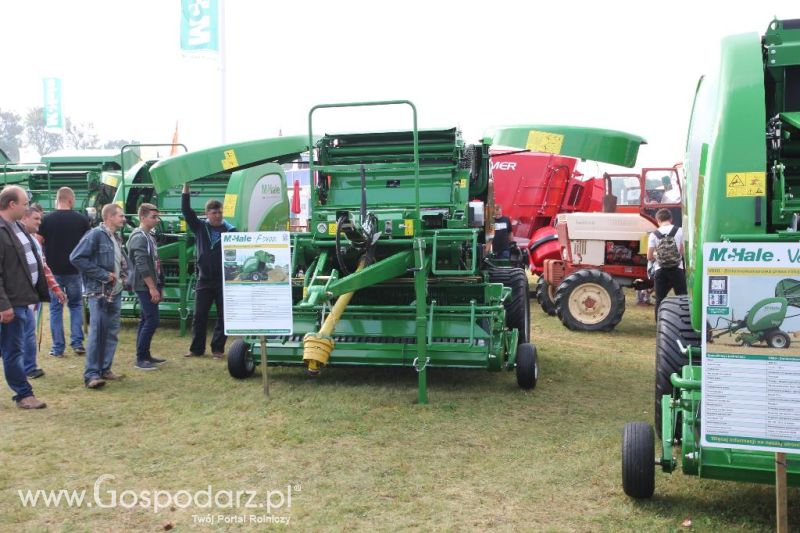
point(409, 175)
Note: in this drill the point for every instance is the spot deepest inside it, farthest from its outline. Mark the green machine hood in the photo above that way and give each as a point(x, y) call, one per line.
point(595, 144)
point(228, 158)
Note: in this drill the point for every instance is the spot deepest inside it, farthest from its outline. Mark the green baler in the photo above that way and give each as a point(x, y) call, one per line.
point(392, 271)
point(746, 118)
point(92, 174)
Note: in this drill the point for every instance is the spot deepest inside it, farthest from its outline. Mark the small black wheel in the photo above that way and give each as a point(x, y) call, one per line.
point(778, 339)
point(527, 366)
point(546, 295)
point(240, 362)
point(638, 460)
point(255, 276)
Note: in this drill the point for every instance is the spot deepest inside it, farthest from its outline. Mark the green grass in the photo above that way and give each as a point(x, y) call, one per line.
point(484, 454)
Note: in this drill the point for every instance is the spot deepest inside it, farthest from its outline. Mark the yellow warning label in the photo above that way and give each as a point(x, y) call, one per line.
point(182, 226)
point(408, 227)
point(745, 184)
point(463, 183)
point(230, 160)
point(542, 141)
point(331, 228)
point(109, 179)
point(229, 206)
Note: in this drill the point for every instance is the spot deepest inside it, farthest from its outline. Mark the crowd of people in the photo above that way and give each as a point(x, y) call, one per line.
point(59, 258)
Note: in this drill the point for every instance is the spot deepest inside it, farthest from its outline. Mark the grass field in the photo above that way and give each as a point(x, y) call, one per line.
point(354, 448)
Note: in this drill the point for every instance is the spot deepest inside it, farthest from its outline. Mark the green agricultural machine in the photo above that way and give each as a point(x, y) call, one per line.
point(394, 270)
point(745, 119)
point(94, 175)
point(175, 243)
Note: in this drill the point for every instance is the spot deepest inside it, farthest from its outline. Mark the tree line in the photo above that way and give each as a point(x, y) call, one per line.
point(17, 131)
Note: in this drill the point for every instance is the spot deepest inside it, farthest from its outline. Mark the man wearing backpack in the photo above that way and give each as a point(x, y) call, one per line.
point(665, 249)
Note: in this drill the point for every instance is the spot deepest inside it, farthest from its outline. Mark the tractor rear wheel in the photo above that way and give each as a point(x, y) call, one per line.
point(518, 307)
point(778, 339)
point(527, 366)
point(638, 460)
point(240, 362)
point(590, 300)
point(674, 323)
point(545, 295)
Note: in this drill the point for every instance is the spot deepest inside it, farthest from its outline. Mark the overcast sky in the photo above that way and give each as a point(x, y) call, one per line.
point(631, 66)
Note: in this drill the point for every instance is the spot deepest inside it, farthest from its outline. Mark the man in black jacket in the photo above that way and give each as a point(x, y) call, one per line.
point(22, 283)
point(208, 247)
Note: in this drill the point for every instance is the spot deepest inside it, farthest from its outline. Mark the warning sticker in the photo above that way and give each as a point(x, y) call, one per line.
point(745, 184)
point(542, 141)
point(229, 205)
point(230, 160)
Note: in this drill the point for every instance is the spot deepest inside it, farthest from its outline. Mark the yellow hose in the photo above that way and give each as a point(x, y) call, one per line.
point(317, 347)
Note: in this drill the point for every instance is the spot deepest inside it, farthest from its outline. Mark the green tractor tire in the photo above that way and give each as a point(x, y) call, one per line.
point(638, 460)
point(590, 300)
point(518, 307)
point(240, 362)
point(527, 366)
point(545, 295)
point(673, 323)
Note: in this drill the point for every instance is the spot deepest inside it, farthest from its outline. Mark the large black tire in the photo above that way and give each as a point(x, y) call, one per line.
point(638, 460)
point(240, 363)
point(518, 307)
point(527, 366)
point(545, 296)
point(674, 322)
point(778, 339)
point(590, 300)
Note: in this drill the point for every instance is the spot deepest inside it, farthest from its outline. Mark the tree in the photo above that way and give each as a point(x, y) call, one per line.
point(11, 129)
point(117, 144)
point(44, 141)
point(81, 135)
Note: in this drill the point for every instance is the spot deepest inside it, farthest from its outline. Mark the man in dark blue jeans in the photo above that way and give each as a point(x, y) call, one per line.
point(147, 282)
point(61, 231)
point(104, 269)
point(22, 283)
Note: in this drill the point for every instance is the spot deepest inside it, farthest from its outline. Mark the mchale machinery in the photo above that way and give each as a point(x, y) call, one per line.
point(745, 117)
point(395, 269)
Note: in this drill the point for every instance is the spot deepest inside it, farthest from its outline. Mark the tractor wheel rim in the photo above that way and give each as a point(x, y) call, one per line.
point(778, 341)
point(551, 292)
point(590, 303)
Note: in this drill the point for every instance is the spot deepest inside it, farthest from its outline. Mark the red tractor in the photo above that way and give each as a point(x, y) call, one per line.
point(589, 235)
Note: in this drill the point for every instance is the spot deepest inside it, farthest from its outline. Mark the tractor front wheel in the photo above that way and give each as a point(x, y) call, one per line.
point(590, 300)
point(545, 295)
point(240, 362)
point(638, 460)
point(527, 366)
point(778, 339)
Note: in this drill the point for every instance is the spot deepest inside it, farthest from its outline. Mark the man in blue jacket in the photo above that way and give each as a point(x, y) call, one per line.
point(103, 266)
point(208, 245)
